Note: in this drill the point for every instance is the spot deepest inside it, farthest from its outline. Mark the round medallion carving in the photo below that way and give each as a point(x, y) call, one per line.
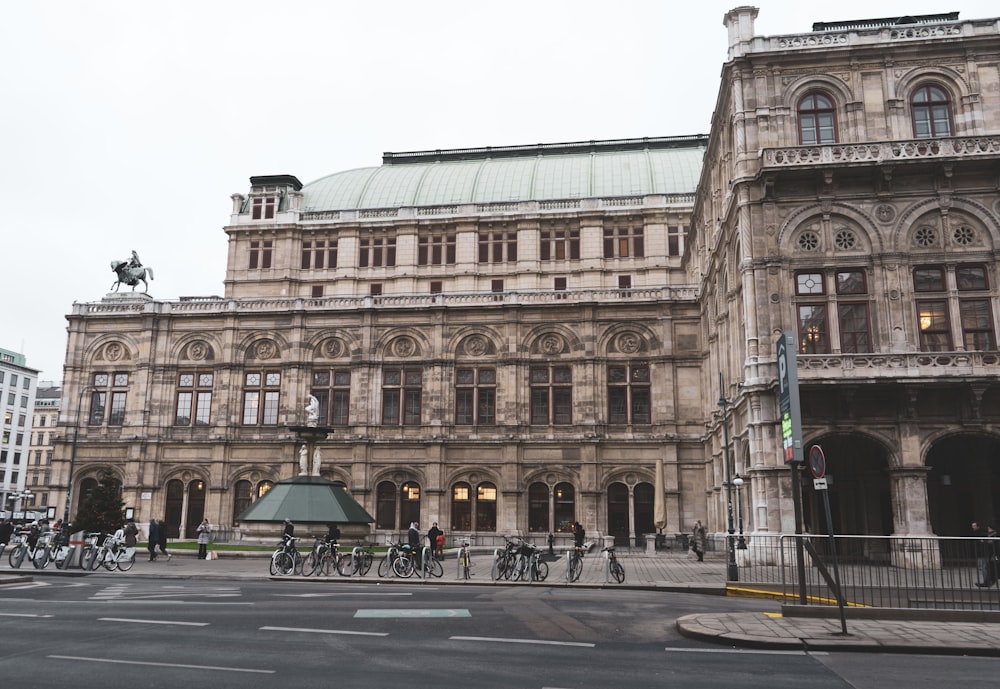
point(264, 349)
point(254, 476)
point(403, 347)
point(629, 343)
point(332, 348)
point(473, 479)
point(476, 345)
point(114, 351)
point(885, 213)
point(551, 344)
point(197, 350)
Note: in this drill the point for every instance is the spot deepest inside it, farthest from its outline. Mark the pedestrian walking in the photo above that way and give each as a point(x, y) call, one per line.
point(204, 532)
point(432, 537)
point(161, 538)
point(153, 535)
point(980, 548)
point(698, 540)
point(131, 533)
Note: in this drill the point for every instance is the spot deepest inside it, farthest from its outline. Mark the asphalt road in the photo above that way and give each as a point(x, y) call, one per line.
point(109, 630)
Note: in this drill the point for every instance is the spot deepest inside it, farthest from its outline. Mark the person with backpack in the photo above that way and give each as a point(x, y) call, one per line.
point(434, 534)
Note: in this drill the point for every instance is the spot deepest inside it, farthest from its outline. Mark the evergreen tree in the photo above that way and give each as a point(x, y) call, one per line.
point(102, 510)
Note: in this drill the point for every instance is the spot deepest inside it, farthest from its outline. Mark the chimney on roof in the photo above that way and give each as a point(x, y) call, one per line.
point(739, 21)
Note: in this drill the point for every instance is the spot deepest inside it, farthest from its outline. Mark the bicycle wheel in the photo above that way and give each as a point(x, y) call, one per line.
point(617, 571)
point(384, 567)
point(126, 565)
point(366, 563)
point(346, 564)
point(311, 564)
point(273, 569)
point(87, 557)
point(436, 568)
point(284, 564)
point(42, 558)
point(16, 556)
point(540, 570)
point(109, 561)
point(575, 568)
point(403, 566)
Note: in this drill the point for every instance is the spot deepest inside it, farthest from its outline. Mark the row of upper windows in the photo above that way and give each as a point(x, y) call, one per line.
point(930, 114)
point(25, 382)
point(619, 241)
point(833, 311)
point(476, 391)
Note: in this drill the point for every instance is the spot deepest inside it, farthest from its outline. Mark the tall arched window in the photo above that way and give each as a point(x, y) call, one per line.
point(538, 508)
point(473, 510)
point(385, 506)
point(565, 506)
point(931, 111)
point(241, 497)
point(817, 120)
point(409, 505)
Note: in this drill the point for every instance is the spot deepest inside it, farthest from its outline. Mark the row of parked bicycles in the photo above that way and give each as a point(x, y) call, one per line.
point(53, 548)
point(518, 560)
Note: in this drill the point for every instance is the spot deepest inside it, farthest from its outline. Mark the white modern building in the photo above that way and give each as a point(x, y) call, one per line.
point(18, 385)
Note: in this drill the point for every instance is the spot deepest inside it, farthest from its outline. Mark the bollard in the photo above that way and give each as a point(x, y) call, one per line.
point(569, 566)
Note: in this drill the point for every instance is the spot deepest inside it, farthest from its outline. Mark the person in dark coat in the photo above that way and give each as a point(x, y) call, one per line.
point(6, 531)
point(413, 537)
point(432, 536)
point(153, 535)
point(161, 538)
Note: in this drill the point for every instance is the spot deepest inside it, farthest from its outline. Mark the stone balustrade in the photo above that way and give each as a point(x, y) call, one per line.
point(880, 152)
point(895, 365)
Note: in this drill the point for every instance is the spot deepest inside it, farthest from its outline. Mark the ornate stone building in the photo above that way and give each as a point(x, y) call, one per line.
point(505, 340)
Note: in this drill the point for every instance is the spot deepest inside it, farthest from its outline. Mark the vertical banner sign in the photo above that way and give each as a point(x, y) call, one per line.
point(788, 399)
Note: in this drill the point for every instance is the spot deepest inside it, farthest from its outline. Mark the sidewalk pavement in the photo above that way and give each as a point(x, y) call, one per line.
point(919, 632)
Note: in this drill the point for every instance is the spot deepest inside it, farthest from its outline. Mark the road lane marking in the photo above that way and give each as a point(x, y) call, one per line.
point(22, 614)
point(745, 651)
point(128, 619)
point(321, 631)
point(176, 665)
point(413, 613)
point(380, 594)
point(521, 641)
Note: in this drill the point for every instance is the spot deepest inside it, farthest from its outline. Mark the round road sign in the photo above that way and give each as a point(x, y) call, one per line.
point(817, 461)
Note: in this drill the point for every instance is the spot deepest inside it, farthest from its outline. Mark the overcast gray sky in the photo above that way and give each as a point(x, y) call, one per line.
point(128, 125)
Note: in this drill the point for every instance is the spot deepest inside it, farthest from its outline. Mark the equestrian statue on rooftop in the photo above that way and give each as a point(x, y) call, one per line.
point(131, 272)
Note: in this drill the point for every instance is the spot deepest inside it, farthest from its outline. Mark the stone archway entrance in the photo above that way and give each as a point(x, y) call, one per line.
point(860, 494)
point(964, 483)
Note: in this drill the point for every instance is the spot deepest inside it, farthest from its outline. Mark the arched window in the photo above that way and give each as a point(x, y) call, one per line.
point(409, 506)
point(931, 111)
point(538, 508)
point(241, 498)
point(565, 507)
point(643, 495)
point(385, 506)
point(618, 517)
point(817, 120)
point(486, 507)
point(263, 487)
point(473, 511)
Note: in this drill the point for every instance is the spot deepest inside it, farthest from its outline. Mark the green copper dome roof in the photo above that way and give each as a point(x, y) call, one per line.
point(627, 167)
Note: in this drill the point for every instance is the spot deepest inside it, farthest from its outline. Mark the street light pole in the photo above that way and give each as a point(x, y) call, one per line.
point(741, 542)
point(732, 570)
point(72, 453)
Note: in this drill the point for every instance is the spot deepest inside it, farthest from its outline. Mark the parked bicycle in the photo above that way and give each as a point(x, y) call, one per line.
point(529, 565)
point(358, 562)
point(20, 548)
point(504, 559)
point(465, 561)
point(114, 554)
point(286, 559)
point(52, 547)
point(615, 568)
point(323, 558)
point(385, 565)
point(575, 567)
point(88, 556)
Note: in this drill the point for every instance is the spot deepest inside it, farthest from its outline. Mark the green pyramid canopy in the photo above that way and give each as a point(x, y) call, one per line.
point(306, 499)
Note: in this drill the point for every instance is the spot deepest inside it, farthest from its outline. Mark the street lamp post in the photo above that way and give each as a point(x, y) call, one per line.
point(26, 496)
point(732, 570)
point(741, 542)
point(72, 452)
